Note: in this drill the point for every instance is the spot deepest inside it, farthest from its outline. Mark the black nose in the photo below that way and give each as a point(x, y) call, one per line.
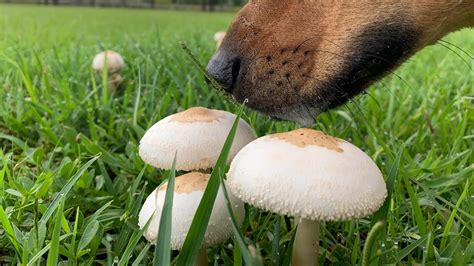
point(225, 70)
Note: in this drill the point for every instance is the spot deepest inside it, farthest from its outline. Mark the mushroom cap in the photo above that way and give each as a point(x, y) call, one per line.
point(219, 37)
point(308, 174)
point(189, 189)
point(197, 135)
point(114, 61)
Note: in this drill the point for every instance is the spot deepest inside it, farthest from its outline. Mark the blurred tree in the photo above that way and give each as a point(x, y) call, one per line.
point(212, 5)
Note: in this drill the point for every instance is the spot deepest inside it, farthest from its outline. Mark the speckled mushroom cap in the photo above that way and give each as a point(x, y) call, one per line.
point(308, 174)
point(189, 189)
point(114, 61)
point(197, 135)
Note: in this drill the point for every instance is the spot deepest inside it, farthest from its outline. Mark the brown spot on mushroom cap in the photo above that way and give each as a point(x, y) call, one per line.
point(189, 182)
point(197, 114)
point(304, 137)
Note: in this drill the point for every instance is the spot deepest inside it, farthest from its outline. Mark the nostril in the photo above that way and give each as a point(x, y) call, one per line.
point(226, 71)
point(235, 70)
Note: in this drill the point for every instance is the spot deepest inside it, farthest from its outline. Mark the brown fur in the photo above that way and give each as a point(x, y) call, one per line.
point(300, 57)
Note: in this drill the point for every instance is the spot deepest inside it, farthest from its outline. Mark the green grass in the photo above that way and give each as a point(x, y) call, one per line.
point(71, 181)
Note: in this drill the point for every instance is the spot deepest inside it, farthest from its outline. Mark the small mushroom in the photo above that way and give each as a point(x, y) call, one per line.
point(308, 175)
point(114, 64)
point(188, 191)
point(219, 37)
point(197, 135)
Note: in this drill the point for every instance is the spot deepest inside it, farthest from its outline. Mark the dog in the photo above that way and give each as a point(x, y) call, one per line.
point(293, 59)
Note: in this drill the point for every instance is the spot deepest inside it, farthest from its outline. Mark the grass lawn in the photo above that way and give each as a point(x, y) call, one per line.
point(71, 181)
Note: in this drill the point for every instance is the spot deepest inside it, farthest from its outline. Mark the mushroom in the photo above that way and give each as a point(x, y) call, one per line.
point(197, 135)
point(188, 191)
point(114, 64)
point(310, 176)
point(219, 37)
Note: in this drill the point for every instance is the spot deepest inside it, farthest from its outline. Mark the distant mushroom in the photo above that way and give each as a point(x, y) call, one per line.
point(308, 175)
point(219, 37)
point(197, 135)
point(112, 62)
point(188, 191)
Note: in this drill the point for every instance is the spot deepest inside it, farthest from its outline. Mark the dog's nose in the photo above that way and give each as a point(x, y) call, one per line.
point(225, 70)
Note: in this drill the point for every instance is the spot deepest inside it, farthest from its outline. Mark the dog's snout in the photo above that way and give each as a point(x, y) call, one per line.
point(225, 70)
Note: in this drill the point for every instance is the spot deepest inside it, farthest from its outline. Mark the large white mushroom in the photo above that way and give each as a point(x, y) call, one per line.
point(188, 191)
point(196, 135)
point(308, 175)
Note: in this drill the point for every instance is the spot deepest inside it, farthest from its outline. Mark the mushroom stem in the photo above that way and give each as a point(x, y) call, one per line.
point(201, 259)
point(306, 245)
point(114, 82)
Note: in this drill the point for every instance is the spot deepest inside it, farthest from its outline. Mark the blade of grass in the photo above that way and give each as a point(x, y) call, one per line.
point(355, 250)
point(420, 221)
point(141, 255)
point(408, 250)
point(24, 75)
point(163, 241)
point(134, 210)
point(127, 254)
point(449, 224)
point(288, 252)
point(63, 192)
point(40, 253)
point(276, 242)
point(88, 234)
point(428, 252)
point(239, 237)
point(193, 58)
point(370, 242)
point(72, 245)
point(469, 253)
point(97, 213)
point(2, 176)
point(53, 254)
point(137, 99)
point(15, 140)
point(382, 213)
point(193, 240)
point(237, 254)
point(105, 81)
point(9, 230)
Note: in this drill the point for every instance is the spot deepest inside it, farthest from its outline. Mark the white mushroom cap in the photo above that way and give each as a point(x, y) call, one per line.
point(114, 61)
point(219, 37)
point(307, 174)
point(189, 189)
point(197, 135)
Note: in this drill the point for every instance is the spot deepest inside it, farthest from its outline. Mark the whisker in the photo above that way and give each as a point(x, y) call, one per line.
point(462, 58)
point(351, 112)
point(365, 68)
point(303, 42)
point(363, 112)
point(374, 99)
point(459, 48)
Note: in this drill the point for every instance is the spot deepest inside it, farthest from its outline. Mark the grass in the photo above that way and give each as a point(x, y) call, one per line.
point(72, 184)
